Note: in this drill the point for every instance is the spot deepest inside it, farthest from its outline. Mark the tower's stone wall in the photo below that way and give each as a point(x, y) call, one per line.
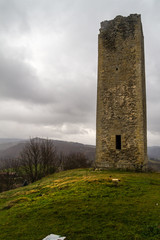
point(121, 140)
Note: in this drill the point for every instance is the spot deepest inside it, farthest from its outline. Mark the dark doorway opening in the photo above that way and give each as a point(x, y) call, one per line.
point(118, 142)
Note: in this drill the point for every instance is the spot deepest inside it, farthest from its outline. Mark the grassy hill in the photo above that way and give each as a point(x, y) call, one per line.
point(84, 204)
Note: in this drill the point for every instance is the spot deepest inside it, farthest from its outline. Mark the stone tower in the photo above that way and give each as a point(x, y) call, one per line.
point(121, 140)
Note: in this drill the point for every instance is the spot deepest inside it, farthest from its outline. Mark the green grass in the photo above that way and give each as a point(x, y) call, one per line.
point(84, 204)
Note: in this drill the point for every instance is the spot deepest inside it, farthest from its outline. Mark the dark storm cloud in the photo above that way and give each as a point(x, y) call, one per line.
point(48, 65)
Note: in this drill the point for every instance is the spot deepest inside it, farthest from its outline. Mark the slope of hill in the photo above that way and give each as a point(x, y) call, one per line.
point(154, 165)
point(10, 140)
point(154, 152)
point(84, 205)
point(13, 151)
point(5, 146)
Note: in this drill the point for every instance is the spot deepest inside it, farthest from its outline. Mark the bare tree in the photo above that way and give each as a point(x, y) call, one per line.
point(38, 159)
point(49, 158)
point(30, 159)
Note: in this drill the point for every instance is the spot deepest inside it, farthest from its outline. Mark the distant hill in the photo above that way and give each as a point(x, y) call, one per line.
point(12, 149)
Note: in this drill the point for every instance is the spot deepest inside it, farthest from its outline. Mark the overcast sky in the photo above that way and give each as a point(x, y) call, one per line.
point(48, 66)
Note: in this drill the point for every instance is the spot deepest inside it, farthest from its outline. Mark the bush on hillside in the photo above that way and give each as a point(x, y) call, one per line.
point(75, 160)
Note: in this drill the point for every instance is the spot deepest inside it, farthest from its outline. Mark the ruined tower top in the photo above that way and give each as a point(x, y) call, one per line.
point(130, 19)
point(121, 96)
point(120, 28)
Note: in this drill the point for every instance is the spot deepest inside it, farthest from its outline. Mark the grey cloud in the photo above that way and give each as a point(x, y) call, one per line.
point(13, 16)
point(19, 81)
point(48, 64)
